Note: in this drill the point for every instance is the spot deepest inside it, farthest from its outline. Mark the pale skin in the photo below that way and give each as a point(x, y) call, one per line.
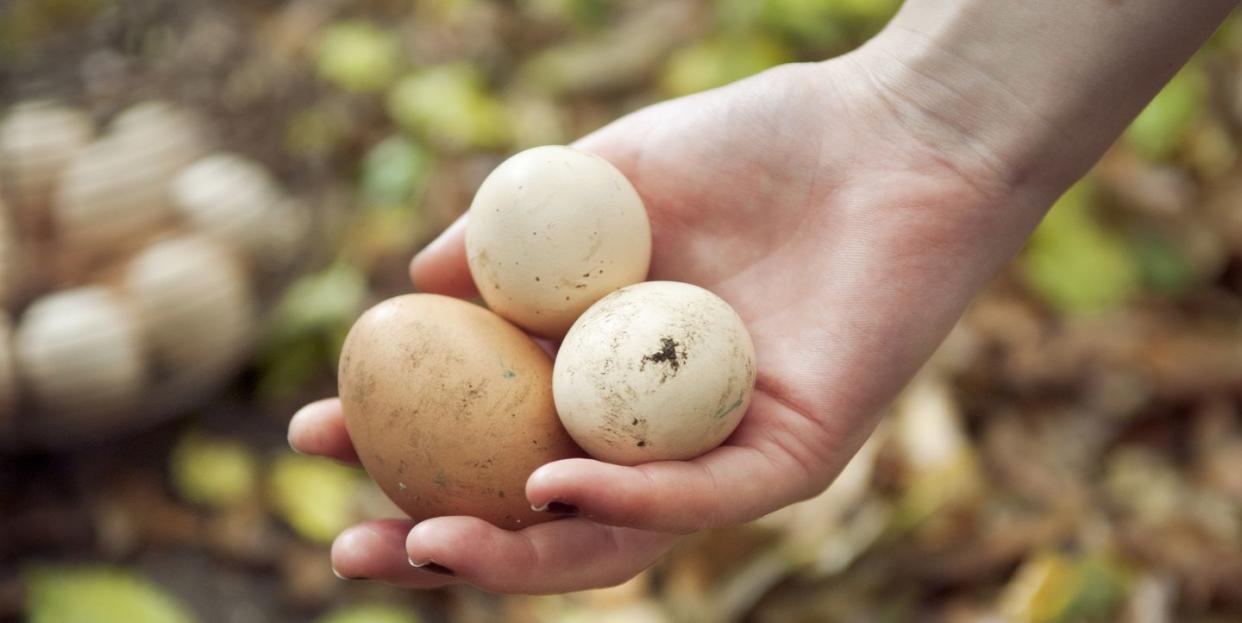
point(849, 210)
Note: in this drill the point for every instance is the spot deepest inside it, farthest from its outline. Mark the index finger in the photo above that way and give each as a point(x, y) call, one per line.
point(441, 267)
point(319, 429)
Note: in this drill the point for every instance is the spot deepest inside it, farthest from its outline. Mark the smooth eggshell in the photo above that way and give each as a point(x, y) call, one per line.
point(110, 194)
point(230, 198)
point(166, 137)
point(194, 302)
point(80, 358)
point(551, 231)
point(654, 371)
point(37, 141)
point(118, 188)
point(450, 408)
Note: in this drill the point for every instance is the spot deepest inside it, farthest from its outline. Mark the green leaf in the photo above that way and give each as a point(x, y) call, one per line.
point(873, 13)
point(1100, 589)
point(1051, 587)
point(291, 366)
point(450, 105)
point(739, 16)
point(1162, 126)
point(96, 594)
point(720, 60)
point(580, 13)
point(1074, 263)
point(316, 131)
point(395, 171)
point(827, 23)
point(383, 231)
point(1164, 267)
point(305, 324)
point(318, 301)
point(213, 471)
point(313, 496)
point(358, 56)
point(1226, 34)
point(371, 613)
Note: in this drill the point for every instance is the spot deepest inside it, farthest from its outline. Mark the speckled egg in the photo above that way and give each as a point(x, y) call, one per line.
point(654, 371)
point(450, 408)
point(552, 230)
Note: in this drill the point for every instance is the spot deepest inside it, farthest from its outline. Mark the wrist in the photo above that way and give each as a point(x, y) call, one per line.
point(1011, 139)
point(1026, 95)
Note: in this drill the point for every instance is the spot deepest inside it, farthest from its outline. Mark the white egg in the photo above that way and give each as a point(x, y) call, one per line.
point(654, 371)
point(80, 360)
point(118, 187)
point(195, 306)
point(164, 136)
point(110, 194)
point(161, 117)
point(37, 141)
point(230, 198)
point(552, 230)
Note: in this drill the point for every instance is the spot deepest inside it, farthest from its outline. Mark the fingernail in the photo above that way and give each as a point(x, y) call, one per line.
point(338, 574)
point(557, 508)
point(433, 567)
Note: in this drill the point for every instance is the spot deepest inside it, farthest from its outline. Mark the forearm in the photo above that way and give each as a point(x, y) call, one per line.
point(1033, 91)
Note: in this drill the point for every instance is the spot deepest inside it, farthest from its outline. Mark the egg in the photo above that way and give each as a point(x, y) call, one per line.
point(175, 130)
point(170, 136)
point(109, 195)
point(195, 306)
point(117, 188)
point(162, 137)
point(230, 198)
point(654, 371)
point(450, 408)
point(552, 230)
point(38, 140)
point(80, 360)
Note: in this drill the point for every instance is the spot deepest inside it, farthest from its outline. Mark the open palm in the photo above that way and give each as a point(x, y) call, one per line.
point(811, 200)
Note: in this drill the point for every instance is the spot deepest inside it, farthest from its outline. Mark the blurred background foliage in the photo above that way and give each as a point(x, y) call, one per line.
point(1072, 453)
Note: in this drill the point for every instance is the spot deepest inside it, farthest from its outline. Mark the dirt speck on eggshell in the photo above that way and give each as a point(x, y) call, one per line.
point(543, 227)
point(654, 371)
point(450, 408)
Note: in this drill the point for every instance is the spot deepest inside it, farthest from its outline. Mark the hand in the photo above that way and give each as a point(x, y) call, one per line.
point(811, 200)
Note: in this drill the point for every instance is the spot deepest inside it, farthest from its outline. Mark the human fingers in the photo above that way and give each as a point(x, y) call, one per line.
point(441, 267)
point(554, 557)
point(319, 429)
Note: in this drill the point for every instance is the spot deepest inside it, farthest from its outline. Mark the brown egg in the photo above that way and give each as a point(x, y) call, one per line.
point(450, 408)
